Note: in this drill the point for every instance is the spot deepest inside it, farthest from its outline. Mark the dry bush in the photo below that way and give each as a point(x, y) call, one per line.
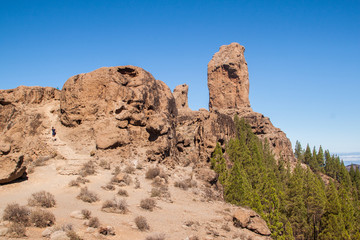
point(115, 206)
point(104, 164)
point(42, 218)
point(148, 204)
point(225, 227)
point(94, 222)
point(123, 192)
point(86, 213)
point(155, 192)
point(73, 235)
point(137, 183)
point(109, 187)
point(116, 171)
point(17, 214)
point(87, 169)
point(141, 223)
point(129, 169)
point(73, 183)
point(42, 199)
point(125, 180)
point(17, 230)
point(152, 173)
point(78, 181)
point(87, 196)
point(185, 184)
point(156, 236)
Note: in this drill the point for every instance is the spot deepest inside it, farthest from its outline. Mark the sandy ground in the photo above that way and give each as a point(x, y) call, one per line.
point(168, 217)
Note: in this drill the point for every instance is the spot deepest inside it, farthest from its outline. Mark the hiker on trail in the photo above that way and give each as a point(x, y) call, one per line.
point(53, 133)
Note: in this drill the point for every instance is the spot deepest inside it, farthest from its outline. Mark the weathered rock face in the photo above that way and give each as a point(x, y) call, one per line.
point(247, 218)
point(228, 78)
point(21, 123)
point(125, 106)
point(181, 96)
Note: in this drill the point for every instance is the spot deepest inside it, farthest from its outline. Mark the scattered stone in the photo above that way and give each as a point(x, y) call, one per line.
point(59, 235)
point(77, 214)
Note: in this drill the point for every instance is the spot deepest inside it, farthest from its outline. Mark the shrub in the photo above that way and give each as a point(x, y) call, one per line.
point(16, 213)
point(185, 184)
point(148, 204)
point(86, 213)
point(129, 169)
point(87, 196)
point(41, 218)
point(155, 192)
point(125, 179)
point(94, 222)
point(17, 230)
point(156, 236)
point(152, 172)
point(73, 235)
point(141, 223)
point(109, 187)
point(42, 199)
point(104, 164)
point(73, 183)
point(123, 192)
point(139, 166)
point(116, 171)
point(78, 181)
point(87, 169)
point(115, 206)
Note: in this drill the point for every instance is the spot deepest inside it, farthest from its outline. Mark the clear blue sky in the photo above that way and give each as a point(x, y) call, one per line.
point(303, 56)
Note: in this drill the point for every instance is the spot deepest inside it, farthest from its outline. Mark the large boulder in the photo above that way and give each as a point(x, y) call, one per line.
point(247, 218)
point(11, 168)
point(127, 108)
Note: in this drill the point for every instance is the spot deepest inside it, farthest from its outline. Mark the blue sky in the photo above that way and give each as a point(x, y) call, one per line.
point(303, 56)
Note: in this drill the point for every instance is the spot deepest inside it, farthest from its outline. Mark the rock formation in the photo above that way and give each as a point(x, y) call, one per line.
point(181, 97)
point(20, 127)
point(125, 112)
point(126, 108)
point(228, 79)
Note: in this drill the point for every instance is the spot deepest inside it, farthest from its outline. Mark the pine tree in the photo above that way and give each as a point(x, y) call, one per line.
point(332, 225)
point(307, 155)
point(320, 158)
point(218, 163)
point(299, 152)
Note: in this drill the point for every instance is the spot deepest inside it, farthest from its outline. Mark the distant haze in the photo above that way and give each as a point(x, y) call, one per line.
point(350, 158)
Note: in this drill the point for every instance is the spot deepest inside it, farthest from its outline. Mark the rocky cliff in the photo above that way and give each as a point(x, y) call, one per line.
point(125, 112)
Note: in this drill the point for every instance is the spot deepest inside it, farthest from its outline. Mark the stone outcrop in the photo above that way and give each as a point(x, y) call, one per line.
point(228, 78)
point(247, 218)
point(181, 97)
point(21, 123)
point(126, 107)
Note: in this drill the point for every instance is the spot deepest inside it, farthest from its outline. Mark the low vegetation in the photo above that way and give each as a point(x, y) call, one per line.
point(17, 230)
point(42, 218)
point(185, 184)
point(87, 169)
point(42, 199)
point(94, 222)
point(17, 214)
point(129, 169)
point(86, 213)
point(123, 192)
point(153, 172)
point(115, 206)
point(141, 223)
point(87, 196)
point(79, 180)
point(148, 204)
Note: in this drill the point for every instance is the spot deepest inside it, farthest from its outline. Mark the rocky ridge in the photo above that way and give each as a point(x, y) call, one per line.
point(125, 111)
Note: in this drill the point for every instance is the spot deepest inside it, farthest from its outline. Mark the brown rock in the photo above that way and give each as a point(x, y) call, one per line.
point(247, 218)
point(11, 169)
point(128, 108)
point(181, 96)
point(228, 78)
